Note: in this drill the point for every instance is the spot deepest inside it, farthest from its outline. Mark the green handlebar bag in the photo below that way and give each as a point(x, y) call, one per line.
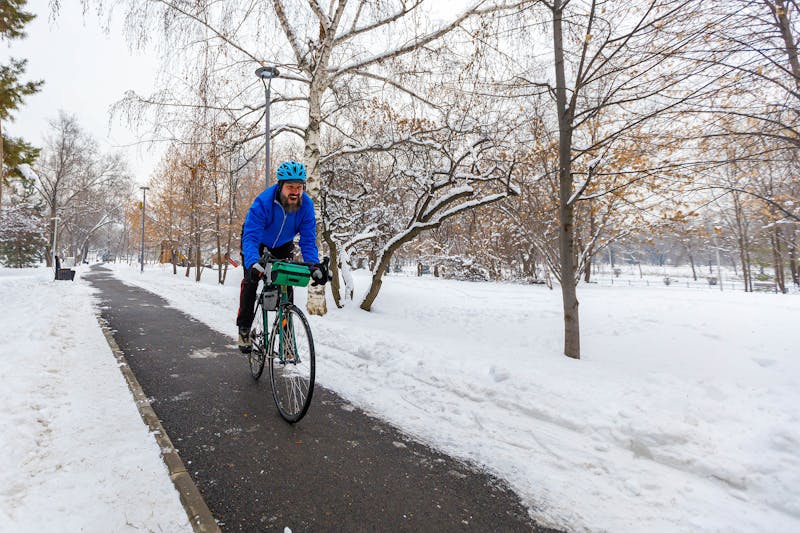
point(290, 274)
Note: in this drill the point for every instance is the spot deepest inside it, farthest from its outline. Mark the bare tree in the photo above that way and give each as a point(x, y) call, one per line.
point(101, 190)
point(625, 67)
point(77, 183)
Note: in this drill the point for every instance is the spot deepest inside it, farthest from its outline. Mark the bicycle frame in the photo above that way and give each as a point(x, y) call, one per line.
point(283, 299)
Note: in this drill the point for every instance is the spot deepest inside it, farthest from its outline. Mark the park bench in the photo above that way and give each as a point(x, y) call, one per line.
point(63, 274)
point(764, 286)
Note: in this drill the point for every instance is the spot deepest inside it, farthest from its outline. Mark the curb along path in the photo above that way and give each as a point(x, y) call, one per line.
point(338, 469)
point(196, 509)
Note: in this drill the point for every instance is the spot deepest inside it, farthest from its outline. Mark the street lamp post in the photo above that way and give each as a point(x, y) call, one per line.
point(267, 73)
point(144, 206)
point(719, 264)
point(55, 241)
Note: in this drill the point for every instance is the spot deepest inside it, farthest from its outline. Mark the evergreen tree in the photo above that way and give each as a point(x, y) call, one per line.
point(12, 91)
point(17, 151)
point(13, 18)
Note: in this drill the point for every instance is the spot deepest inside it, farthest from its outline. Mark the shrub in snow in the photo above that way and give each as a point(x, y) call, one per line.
point(463, 269)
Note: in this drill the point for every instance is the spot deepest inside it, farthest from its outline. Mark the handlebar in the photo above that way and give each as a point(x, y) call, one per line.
point(267, 258)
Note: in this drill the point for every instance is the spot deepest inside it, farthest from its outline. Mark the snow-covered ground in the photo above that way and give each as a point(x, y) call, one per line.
point(76, 455)
point(682, 415)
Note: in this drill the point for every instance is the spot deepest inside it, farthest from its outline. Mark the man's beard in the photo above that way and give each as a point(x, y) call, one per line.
point(290, 208)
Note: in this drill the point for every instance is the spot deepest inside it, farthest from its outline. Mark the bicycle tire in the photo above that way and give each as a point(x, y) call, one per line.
point(292, 366)
point(258, 343)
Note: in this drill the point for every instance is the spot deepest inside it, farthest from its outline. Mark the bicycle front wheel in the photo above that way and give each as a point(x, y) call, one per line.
point(258, 343)
point(292, 367)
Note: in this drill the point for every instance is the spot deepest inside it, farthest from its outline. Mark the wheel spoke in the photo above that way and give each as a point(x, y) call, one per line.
point(292, 370)
point(257, 352)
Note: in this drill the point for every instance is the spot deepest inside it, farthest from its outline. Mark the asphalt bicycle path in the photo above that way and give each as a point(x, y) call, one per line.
point(336, 470)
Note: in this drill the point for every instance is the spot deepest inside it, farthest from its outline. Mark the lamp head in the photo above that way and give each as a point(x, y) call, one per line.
point(267, 73)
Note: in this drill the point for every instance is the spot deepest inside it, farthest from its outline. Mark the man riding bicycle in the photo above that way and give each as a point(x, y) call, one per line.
point(276, 216)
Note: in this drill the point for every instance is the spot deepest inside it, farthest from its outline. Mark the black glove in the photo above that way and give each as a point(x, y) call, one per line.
point(319, 273)
point(252, 274)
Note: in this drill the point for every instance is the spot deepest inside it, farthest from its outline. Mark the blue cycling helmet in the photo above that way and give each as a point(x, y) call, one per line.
point(291, 171)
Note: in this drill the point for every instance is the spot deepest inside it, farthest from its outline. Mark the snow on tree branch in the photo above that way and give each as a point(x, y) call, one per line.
point(291, 36)
point(28, 173)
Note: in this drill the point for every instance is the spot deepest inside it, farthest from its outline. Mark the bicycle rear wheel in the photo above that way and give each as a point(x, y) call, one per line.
point(292, 366)
point(258, 342)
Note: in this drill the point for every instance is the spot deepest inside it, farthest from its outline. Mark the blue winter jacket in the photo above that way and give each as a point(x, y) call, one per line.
point(269, 224)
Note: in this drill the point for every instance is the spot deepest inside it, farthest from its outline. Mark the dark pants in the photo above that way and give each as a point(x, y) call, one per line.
point(249, 288)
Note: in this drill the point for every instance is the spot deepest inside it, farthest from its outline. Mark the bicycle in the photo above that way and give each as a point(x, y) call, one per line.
point(289, 345)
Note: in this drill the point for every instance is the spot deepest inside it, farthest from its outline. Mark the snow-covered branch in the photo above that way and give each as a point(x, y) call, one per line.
point(291, 36)
point(324, 20)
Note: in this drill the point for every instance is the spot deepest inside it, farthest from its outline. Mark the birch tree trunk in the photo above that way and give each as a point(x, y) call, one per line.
point(316, 294)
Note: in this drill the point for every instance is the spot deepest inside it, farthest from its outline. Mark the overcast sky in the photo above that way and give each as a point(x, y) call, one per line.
point(85, 72)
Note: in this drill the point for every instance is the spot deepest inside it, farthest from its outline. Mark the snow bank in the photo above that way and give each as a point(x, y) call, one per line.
point(76, 454)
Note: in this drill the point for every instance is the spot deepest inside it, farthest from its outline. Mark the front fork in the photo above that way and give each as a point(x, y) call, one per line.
point(286, 352)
